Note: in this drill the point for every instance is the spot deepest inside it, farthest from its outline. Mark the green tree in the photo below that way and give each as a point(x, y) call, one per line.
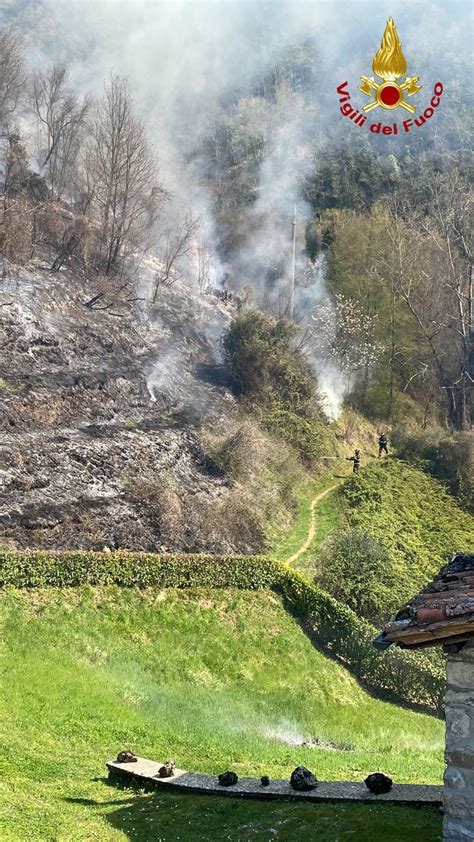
point(270, 371)
point(360, 268)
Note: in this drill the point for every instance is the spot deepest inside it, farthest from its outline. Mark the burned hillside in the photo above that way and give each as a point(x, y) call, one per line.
point(102, 412)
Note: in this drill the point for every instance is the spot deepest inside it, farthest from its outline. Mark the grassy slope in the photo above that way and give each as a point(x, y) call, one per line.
point(406, 510)
point(286, 537)
point(90, 671)
point(412, 516)
point(285, 542)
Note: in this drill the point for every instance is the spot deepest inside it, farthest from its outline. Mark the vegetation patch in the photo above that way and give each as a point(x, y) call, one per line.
point(356, 569)
point(191, 675)
point(447, 456)
point(399, 676)
point(270, 372)
point(409, 515)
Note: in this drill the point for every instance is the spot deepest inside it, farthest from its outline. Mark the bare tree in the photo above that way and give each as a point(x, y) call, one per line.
point(16, 219)
point(431, 265)
point(12, 77)
point(126, 195)
point(177, 243)
point(61, 116)
point(203, 256)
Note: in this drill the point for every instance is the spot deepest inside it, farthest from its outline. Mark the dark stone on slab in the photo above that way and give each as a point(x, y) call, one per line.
point(378, 783)
point(167, 770)
point(265, 780)
point(126, 757)
point(302, 779)
point(228, 779)
point(145, 773)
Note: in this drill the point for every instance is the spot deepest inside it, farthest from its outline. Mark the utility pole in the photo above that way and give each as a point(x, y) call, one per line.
point(293, 264)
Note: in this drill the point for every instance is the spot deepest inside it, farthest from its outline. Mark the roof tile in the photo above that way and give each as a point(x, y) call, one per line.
point(437, 611)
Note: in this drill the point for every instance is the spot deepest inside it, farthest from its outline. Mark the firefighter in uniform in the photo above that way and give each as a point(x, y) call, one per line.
point(383, 444)
point(356, 460)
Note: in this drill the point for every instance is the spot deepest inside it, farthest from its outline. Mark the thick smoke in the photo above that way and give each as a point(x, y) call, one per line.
point(185, 59)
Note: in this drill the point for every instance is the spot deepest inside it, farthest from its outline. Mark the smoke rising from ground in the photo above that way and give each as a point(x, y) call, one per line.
point(185, 59)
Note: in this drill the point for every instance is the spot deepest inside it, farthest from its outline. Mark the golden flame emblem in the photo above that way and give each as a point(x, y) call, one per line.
point(389, 64)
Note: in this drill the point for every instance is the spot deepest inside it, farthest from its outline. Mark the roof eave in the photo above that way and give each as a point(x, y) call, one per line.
point(435, 634)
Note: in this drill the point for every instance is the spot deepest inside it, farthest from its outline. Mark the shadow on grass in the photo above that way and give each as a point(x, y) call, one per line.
point(171, 817)
point(93, 802)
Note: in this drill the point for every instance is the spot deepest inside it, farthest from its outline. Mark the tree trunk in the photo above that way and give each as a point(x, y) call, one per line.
point(459, 410)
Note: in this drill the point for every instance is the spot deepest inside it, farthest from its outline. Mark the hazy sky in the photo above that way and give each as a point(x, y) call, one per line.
point(212, 45)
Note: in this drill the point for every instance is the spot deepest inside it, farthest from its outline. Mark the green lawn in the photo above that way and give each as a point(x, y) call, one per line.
point(193, 818)
point(212, 679)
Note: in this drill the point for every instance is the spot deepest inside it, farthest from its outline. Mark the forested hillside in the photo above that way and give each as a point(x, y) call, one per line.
point(382, 256)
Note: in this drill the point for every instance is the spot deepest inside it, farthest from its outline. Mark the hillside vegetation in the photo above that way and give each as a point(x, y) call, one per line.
point(447, 456)
point(398, 676)
point(410, 514)
point(382, 535)
point(403, 526)
point(173, 348)
point(93, 670)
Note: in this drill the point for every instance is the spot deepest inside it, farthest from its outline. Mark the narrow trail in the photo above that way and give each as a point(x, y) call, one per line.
point(312, 523)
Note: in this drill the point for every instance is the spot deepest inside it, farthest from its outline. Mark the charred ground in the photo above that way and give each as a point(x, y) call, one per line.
point(101, 416)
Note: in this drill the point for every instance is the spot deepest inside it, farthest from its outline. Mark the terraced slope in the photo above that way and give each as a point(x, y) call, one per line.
point(100, 410)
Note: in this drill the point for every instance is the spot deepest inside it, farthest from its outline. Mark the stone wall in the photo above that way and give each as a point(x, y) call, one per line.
point(459, 775)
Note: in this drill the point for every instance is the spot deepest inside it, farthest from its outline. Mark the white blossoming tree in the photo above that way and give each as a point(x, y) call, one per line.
point(345, 335)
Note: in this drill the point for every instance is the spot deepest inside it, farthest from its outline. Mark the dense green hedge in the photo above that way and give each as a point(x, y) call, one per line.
point(403, 677)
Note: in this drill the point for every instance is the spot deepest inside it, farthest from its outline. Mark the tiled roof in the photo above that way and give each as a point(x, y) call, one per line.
point(443, 612)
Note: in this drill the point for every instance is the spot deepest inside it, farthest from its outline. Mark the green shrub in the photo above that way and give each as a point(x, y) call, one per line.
point(272, 374)
point(261, 359)
point(357, 570)
point(399, 676)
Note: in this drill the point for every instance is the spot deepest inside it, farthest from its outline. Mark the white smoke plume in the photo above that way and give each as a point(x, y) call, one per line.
point(286, 732)
point(184, 59)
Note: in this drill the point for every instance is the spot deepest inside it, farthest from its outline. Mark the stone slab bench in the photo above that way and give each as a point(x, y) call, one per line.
point(145, 773)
